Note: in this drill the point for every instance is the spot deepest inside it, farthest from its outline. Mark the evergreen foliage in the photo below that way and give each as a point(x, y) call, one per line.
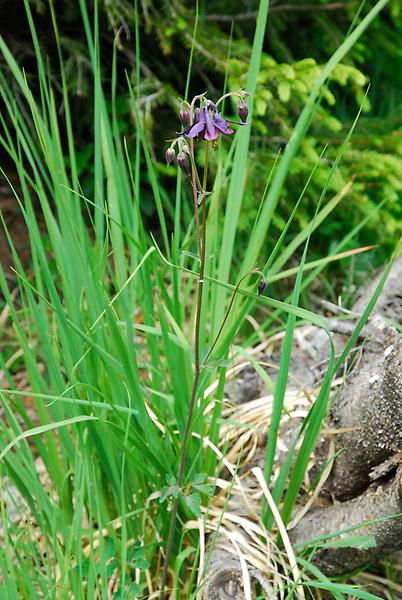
point(300, 37)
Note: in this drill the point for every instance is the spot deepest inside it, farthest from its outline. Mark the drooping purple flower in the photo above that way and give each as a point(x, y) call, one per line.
point(261, 286)
point(242, 111)
point(170, 155)
point(209, 124)
point(184, 116)
point(184, 162)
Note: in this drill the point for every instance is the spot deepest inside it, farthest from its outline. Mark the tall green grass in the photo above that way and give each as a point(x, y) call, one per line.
point(103, 318)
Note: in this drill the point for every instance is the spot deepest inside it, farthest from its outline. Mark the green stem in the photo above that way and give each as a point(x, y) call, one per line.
point(197, 370)
point(194, 178)
point(194, 175)
point(237, 94)
point(202, 264)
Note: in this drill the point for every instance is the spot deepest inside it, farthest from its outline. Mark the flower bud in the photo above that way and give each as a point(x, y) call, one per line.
point(242, 111)
point(261, 286)
point(170, 155)
point(184, 116)
point(183, 162)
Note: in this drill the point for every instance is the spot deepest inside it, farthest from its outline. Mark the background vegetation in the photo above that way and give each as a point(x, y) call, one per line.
point(97, 356)
point(298, 40)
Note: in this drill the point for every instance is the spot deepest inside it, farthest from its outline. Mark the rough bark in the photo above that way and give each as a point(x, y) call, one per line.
point(370, 403)
point(225, 579)
point(379, 505)
point(369, 407)
point(368, 413)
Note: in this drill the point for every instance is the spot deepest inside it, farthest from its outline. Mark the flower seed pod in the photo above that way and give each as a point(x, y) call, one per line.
point(170, 155)
point(184, 116)
point(242, 111)
point(261, 286)
point(183, 162)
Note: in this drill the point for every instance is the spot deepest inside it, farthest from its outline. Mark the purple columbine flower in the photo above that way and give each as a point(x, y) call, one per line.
point(209, 124)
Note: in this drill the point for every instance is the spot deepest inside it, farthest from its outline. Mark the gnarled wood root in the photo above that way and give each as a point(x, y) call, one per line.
point(225, 581)
point(380, 507)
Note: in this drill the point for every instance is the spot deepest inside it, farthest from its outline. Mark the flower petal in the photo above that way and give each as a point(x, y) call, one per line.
point(194, 130)
point(200, 115)
point(198, 126)
point(210, 137)
point(211, 132)
point(225, 129)
point(221, 124)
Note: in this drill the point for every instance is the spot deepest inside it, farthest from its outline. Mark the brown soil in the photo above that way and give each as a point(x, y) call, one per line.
point(15, 225)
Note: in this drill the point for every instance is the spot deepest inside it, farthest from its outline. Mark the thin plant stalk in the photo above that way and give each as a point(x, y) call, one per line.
point(197, 369)
point(202, 263)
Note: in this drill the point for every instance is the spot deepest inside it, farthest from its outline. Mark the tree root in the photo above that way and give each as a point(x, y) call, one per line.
point(368, 413)
point(379, 507)
point(225, 581)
